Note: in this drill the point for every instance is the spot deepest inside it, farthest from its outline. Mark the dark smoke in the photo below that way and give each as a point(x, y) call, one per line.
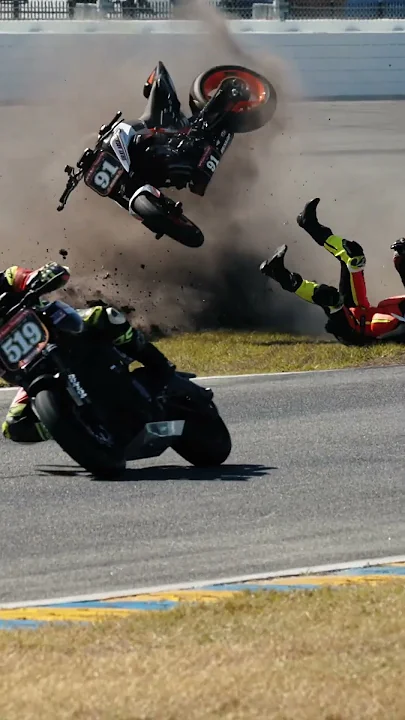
point(113, 258)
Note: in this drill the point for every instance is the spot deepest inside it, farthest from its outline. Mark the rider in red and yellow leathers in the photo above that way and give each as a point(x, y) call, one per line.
point(351, 318)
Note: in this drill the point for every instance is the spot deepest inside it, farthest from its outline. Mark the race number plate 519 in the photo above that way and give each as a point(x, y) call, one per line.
point(21, 339)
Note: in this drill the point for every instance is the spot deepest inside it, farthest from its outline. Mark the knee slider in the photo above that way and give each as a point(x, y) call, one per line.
point(24, 430)
point(15, 430)
point(22, 426)
point(5, 428)
point(326, 295)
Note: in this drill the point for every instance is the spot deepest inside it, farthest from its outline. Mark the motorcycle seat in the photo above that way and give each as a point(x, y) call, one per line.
point(152, 115)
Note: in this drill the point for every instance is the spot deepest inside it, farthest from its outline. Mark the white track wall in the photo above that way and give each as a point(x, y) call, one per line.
point(343, 64)
point(330, 59)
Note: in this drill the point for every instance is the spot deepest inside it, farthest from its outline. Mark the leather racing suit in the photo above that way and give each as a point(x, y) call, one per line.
point(351, 318)
point(21, 424)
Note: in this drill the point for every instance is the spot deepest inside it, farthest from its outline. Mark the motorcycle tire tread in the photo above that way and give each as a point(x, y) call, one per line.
point(156, 219)
point(205, 441)
point(55, 413)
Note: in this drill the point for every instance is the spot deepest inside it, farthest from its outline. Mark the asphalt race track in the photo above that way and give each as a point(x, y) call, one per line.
point(316, 476)
point(317, 471)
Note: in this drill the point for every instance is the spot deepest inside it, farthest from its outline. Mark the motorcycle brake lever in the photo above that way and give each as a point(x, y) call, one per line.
point(72, 182)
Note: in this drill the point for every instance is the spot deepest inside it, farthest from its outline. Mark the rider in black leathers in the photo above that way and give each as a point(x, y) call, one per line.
point(21, 424)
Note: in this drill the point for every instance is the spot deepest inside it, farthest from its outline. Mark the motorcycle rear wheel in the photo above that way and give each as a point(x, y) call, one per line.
point(73, 436)
point(156, 219)
point(246, 116)
point(205, 441)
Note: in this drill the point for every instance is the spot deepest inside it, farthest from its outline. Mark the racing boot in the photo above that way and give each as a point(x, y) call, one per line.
point(399, 258)
point(159, 369)
point(309, 222)
point(21, 424)
point(275, 269)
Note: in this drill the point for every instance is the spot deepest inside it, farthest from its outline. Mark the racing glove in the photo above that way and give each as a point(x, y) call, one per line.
point(51, 277)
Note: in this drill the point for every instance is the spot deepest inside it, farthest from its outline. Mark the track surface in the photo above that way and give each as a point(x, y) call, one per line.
point(316, 476)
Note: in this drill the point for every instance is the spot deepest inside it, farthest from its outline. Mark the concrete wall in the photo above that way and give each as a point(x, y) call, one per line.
point(328, 58)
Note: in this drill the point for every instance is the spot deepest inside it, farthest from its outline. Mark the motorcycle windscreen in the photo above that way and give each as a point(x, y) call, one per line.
point(104, 173)
point(21, 340)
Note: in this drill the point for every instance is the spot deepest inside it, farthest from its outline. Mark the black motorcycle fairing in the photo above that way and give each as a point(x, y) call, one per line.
point(163, 109)
point(64, 317)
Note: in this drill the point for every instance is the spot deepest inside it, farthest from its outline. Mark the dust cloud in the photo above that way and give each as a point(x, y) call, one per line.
point(55, 91)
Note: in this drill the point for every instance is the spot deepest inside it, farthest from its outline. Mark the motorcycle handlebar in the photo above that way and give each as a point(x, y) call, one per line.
point(105, 129)
point(7, 307)
point(29, 299)
point(76, 176)
point(72, 182)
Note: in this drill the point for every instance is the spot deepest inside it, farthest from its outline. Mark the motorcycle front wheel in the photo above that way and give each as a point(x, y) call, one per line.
point(157, 219)
point(205, 441)
point(82, 443)
point(246, 116)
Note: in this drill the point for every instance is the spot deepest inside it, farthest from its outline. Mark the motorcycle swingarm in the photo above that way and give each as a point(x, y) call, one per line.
point(154, 439)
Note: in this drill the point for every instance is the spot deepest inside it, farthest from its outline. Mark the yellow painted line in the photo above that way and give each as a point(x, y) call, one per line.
point(98, 614)
point(64, 614)
point(178, 596)
point(333, 580)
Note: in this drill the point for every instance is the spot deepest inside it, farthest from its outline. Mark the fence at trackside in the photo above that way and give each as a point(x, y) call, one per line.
point(238, 9)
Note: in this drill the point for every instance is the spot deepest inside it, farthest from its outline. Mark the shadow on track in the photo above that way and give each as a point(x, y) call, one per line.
point(225, 473)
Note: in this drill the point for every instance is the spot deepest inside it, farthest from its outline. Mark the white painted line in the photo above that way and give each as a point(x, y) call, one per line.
point(198, 585)
point(279, 374)
point(248, 376)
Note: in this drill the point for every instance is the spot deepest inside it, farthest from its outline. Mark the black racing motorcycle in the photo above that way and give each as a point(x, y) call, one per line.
point(132, 161)
point(98, 411)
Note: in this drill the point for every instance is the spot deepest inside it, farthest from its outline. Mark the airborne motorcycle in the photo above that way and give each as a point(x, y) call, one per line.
point(131, 161)
point(97, 410)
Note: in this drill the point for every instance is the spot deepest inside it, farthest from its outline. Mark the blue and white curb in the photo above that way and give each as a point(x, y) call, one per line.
point(104, 606)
